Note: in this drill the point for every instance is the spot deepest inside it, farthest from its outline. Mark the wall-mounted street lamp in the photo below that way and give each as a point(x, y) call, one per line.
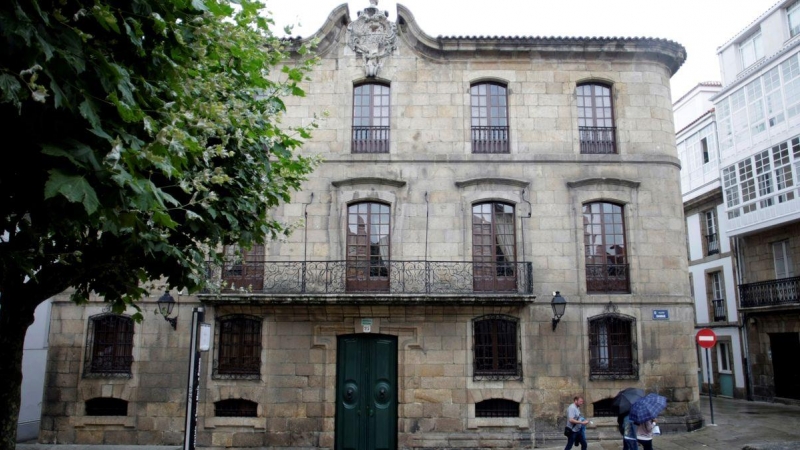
point(559, 304)
point(165, 304)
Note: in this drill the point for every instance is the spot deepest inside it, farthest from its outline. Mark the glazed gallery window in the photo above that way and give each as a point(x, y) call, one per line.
point(368, 247)
point(751, 50)
point(494, 343)
point(489, 103)
point(238, 349)
point(611, 348)
point(235, 407)
point(596, 118)
point(493, 247)
point(109, 346)
point(605, 248)
point(371, 118)
point(793, 15)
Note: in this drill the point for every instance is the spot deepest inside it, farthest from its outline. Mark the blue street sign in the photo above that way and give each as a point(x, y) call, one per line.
point(660, 314)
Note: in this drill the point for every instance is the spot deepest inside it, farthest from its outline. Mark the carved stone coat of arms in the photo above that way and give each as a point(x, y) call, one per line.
point(373, 37)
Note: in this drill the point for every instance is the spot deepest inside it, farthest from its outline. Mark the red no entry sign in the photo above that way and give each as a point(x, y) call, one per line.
point(706, 338)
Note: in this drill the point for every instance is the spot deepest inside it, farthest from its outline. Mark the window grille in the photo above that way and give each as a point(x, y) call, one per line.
point(612, 349)
point(497, 407)
point(235, 407)
point(604, 408)
point(103, 406)
point(109, 346)
point(238, 347)
point(495, 348)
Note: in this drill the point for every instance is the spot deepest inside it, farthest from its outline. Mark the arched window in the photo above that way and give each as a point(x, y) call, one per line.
point(368, 246)
point(605, 248)
point(104, 406)
point(497, 407)
point(489, 118)
point(109, 346)
point(235, 407)
point(596, 118)
point(494, 247)
point(495, 348)
point(612, 353)
point(238, 347)
point(371, 118)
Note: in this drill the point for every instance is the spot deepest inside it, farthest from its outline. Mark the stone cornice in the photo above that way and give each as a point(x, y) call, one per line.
point(503, 181)
point(608, 181)
point(369, 180)
point(669, 53)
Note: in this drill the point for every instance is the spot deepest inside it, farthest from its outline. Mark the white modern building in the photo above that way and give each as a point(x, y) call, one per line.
point(755, 127)
point(711, 262)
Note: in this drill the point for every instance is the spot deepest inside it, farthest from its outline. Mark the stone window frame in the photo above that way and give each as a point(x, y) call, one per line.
point(491, 137)
point(382, 282)
point(120, 346)
point(608, 289)
point(220, 371)
point(710, 273)
point(599, 137)
point(628, 371)
point(371, 138)
point(497, 374)
point(510, 266)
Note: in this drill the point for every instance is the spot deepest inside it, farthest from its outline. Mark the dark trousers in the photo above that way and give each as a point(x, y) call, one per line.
point(578, 437)
point(647, 444)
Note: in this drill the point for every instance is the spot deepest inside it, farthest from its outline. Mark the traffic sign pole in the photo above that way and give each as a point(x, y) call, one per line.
point(706, 338)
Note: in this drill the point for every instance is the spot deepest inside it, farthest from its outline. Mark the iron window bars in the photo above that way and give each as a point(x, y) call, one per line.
point(612, 350)
point(495, 348)
point(106, 406)
point(238, 350)
point(235, 407)
point(497, 407)
point(109, 346)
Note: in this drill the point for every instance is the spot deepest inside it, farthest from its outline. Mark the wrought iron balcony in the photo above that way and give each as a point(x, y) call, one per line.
point(720, 315)
point(712, 244)
point(784, 291)
point(598, 140)
point(370, 139)
point(490, 140)
point(387, 277)
point(609, 278)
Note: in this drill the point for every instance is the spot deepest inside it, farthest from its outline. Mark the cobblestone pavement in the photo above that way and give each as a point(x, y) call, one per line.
point(738, 425)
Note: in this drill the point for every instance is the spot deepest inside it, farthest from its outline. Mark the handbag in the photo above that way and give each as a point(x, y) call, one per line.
point(567, 431)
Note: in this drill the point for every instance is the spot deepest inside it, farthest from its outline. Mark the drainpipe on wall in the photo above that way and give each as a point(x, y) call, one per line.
point(305, 241)
point(748, 373)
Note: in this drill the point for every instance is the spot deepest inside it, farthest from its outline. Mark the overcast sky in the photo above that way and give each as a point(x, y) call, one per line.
point(699, 25)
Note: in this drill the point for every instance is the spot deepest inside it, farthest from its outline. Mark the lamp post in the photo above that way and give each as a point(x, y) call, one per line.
point(559, 304)
point(165, 305)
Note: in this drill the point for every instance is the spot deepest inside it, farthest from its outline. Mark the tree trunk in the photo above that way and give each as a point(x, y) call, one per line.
point(15, 318)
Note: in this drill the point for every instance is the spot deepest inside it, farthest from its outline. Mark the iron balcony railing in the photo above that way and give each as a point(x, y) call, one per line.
point(490, 139)
point(712, 244)
point(389, 277)
point(370, 139)
point(598, 140)
point(720, 315)
point(609, 278)
point(770, 293)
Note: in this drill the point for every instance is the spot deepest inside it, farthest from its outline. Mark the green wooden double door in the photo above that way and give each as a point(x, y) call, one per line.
point(366, 392)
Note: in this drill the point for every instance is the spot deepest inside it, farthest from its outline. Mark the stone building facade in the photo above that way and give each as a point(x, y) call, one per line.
point(465, 180)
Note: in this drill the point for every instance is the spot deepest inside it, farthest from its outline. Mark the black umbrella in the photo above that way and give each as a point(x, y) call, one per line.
point(625, 398)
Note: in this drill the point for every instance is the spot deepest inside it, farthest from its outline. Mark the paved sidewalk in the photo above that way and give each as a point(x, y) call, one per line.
point(738, 425)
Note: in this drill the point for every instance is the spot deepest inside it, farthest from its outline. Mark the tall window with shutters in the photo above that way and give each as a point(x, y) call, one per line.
point(605, 248)
point(368, 246)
